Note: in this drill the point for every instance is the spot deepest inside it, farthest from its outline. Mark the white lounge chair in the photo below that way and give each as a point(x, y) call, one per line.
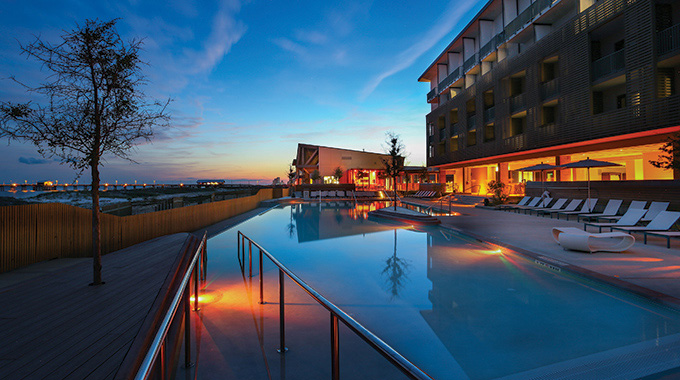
point(662, 222)
point(557, 206)
point(612, 208)
point(630, 218)
point(570, 207)
point(633, 204)
point(532, 203)
point(587, 208)
point(654, 209)
point(578, 240)
point(521, 202)
point(542, 205)
point(665, 234)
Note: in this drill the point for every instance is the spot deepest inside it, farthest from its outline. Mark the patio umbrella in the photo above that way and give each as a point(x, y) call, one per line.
point(540, 167)
point(587, 164)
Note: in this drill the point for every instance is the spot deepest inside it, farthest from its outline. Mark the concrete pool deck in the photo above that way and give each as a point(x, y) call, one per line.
point(651, 270)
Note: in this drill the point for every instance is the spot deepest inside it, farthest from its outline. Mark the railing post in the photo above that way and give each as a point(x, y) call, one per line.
point(261, 280)
point(205, 260)
point(250, 258)
point(196, 289)
point(335, 348)
point(187, 330)
point(282, 315)
point(238, 244)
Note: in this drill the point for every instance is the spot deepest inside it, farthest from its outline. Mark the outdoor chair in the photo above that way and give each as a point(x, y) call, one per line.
point(612, 208)
point(340, 193)
point(633, 204)
point(557, 206)
point(630, 218)
point(532, 203)
point(542, 205)
point(654, 209)
point(578, 240)
point(665, 234)
point(587, 207)
point(522, 202)
point(662, 222)
point(331, 194)
point(570, 207)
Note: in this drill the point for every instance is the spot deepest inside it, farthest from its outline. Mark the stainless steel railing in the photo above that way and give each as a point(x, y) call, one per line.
point(408, 368)
point(197, 268)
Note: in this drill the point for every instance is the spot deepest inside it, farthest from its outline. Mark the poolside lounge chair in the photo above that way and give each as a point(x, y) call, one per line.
point(654, 209)
point(666, 234)
point(521, 202)
point(557, 206)
point(578, 240)
point(633, 204)
point(587, 207)
point(630, 218)
point(340, 193)
point(612, 208)
point(662, 222)
point(542, 205)
point(570, 207)
point(532, 203)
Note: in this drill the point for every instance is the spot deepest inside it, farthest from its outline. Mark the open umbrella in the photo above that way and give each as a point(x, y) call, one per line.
point(540, 167)
point(587, 164)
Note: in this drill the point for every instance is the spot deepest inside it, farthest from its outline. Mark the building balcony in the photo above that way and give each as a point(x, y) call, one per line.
point(470, 63)
point(490, 46)
point(442, 134)
point(448, 81)
point(517, 103)
point(471, 122)
point(550, 89)
point(668, 40)
point(432, 96)
point(608, 65)
point(452, 129)
point(527, 15)
point(489, 114)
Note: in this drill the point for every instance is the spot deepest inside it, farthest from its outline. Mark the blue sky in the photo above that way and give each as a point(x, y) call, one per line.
point(249, 79)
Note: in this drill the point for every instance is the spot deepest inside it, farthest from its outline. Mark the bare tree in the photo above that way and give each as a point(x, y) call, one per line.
point(669, 158)
point(93, 106)
point(291, 174)
point(395, 163)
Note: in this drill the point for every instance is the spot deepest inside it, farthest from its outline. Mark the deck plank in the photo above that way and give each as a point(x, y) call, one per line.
point(56, 326)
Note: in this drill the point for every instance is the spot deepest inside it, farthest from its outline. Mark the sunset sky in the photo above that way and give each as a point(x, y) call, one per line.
point(249, 79)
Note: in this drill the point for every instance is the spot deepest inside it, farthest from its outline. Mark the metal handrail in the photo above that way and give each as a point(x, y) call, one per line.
point(408, 368)
point(159, 340)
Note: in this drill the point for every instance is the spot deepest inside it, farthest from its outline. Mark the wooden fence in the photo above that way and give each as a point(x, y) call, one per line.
point(37, 232)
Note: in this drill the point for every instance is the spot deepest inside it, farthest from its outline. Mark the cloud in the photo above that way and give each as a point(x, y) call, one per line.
point(311, 36)
point(450, 18)
point(33, 160)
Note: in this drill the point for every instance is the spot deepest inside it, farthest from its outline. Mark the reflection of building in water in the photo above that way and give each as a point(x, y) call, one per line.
point(328, 222)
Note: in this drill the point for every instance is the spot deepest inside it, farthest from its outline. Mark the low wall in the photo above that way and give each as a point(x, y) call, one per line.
point(38, 232)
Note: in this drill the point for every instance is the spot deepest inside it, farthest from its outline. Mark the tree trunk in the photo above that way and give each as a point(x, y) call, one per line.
point(394, 187)
point(96, 228)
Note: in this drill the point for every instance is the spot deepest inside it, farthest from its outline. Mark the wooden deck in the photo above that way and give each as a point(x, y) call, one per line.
point(56, 326)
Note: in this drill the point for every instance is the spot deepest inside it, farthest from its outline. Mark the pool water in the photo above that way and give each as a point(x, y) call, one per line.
point(454, 306)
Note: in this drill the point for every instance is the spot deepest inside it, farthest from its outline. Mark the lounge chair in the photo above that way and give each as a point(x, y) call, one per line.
point(557, 206)
point(666, 234)
point(532, 203)
point(340, 193)
point(579, 240)
point(630, 218)
point(521, 202)
point(633, 204)
point(587, 207)
point(654, 209)
point(542, 205)
point(662, 222)
point(612, 208)
point(570, 207)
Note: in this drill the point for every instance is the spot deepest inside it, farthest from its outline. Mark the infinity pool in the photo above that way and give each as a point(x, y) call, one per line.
point(456, 307)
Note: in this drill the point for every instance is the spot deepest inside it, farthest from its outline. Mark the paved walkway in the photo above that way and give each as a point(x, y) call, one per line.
point(651, 270)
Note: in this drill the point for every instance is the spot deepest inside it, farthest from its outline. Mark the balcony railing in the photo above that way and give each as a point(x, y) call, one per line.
point(517, 103)
point(668, 40)
point(489, 114)
point(550, 89)
point(470, 62)
point(432, 95)
point(471, 123)
point(452, 129)
point(526, 16)
point(608, 65)
point(448, 81)
point(442, 134)
point(490, 46)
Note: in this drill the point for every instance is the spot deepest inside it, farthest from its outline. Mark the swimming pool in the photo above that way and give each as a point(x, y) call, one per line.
point(454, 306)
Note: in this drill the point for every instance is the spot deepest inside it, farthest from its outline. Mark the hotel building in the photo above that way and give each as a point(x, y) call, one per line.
point(555, 81)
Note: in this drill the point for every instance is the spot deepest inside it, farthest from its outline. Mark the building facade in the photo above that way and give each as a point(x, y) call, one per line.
point(555, 81)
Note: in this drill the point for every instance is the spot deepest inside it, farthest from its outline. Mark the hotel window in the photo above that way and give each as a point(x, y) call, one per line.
point(517, 125)
point(454, 143)
point(471, 123)
point(621, 101)
point(548, 115)
point(431, 151)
